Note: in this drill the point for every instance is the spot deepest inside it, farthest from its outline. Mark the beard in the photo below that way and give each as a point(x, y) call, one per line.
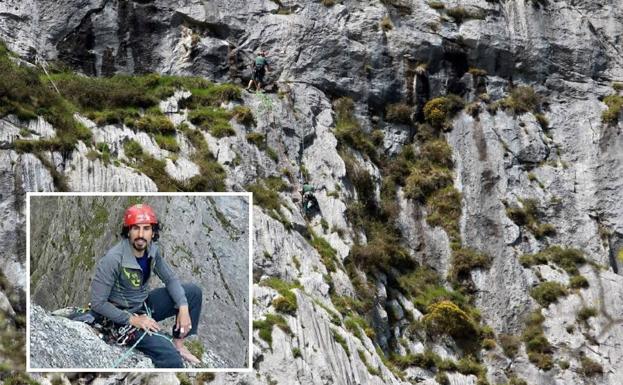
point(139, 246)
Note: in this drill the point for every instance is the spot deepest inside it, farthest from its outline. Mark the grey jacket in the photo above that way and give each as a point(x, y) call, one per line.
point(117, 289)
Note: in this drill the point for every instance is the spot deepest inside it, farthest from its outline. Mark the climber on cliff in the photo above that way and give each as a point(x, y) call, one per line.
point(309, 200)
point(260, 66)
point(120, 293)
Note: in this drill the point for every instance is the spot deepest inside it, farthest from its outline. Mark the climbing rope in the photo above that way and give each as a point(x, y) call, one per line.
point(128, 331)
point(43, 66)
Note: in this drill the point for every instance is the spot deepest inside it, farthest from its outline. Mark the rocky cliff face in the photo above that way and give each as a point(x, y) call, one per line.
point(504, 200)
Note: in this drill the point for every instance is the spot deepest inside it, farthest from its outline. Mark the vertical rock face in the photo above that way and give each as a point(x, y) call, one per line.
point(19, 174)
point(530, 178)
point(204, 239)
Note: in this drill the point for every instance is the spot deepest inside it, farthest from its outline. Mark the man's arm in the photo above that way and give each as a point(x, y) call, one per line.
point(166, 274)
point(101, 285)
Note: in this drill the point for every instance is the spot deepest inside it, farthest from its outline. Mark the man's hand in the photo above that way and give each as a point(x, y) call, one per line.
point(144, 322)
point(183, 322)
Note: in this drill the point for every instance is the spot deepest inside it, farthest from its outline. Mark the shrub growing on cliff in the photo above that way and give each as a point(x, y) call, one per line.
point(132, 149)
point(347, 129)
point(157, 124)
point(97, 94)
point(264, 196)
point(382, 251)
point(399, 113)
point(434, 4)
point(243, 115)
point(422, 182)
point(167, 142)
point(286, 304)
point(438, 152)
point(567, 258)
point(514, 380)
point(258, 139)
point(585, 313)
point(125, 116)
point(548, 292)
point(439, 111)
point(522, 99)
point(528, 216)
point(265, 327)
point(445, 317)
point(477, 72)
point(578, 282)
point(509, 344)
point(590, 367)
point(465, 260)
point(444, 210)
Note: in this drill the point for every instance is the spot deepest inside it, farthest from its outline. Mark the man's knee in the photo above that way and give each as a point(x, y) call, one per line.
point(192, 291)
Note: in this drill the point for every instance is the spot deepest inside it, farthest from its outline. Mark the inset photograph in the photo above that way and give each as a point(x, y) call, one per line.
point(139, 282)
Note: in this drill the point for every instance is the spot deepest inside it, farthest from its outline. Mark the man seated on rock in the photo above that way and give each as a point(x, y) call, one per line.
point(119, 291)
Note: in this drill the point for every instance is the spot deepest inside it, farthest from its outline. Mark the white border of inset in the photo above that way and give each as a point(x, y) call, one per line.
point(140, 370)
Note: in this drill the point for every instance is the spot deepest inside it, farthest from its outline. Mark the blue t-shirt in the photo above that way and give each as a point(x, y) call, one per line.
point(143, 262)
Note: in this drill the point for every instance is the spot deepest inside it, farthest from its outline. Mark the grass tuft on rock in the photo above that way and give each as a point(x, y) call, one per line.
point(464, 260)
point(585, 313)
point(615, 104)
point(213, 119)
point(522, 99)
point(591, 367)
point(265, 327)
point(568, 259)
point(348, 130)
point(399, 113)
point(537, 346)
point(528, 216)
point(547, 293)
point(286, 303)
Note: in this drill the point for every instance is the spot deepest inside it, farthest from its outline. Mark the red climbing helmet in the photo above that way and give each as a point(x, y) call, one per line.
point(140, 213)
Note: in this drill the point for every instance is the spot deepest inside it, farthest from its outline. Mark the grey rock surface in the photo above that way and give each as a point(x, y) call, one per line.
point(80, 344)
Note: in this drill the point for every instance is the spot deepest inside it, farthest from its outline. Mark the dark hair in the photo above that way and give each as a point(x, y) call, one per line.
point(125, 231)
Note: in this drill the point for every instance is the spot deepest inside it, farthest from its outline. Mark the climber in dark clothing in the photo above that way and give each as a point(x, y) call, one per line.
point(119, 292)
point(260, 66)
point(309, 200)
